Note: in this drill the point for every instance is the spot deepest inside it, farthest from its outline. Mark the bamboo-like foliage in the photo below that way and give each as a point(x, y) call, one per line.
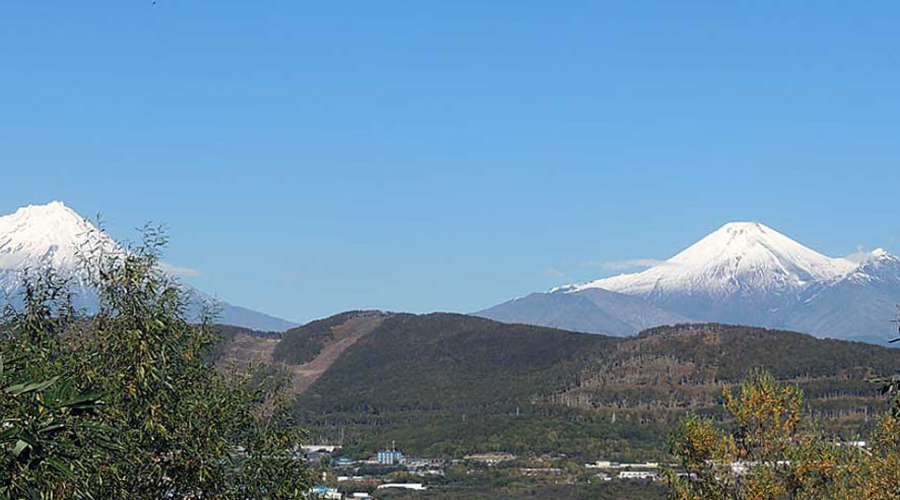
point(123, 403)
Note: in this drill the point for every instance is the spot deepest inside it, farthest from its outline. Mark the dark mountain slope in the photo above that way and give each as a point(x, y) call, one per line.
point(451, 360)
point(451, 384)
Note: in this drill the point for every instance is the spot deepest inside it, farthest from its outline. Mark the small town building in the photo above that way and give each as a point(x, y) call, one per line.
point(638, 474)
point(490, 458)
point(404, 486)
point(390, 457)
point(326, 493)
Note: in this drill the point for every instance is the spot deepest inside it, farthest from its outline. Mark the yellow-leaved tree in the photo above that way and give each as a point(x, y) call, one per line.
point(771, 449)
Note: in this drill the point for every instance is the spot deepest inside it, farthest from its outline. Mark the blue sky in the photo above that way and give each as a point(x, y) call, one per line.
point(312, 157)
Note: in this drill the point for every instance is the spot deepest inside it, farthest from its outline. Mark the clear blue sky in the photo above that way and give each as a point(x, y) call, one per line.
point(312, 157)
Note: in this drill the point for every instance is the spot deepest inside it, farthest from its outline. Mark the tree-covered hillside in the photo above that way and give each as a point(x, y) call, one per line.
point(449, 384)
point(450, 361)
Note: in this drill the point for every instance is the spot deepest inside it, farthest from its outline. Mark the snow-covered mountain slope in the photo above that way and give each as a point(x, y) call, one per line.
point(747, 273)
point(55, 236)
point(744, 273)
point(51, 235)
point(739, 258)
point(878, 268)
point(861, 306)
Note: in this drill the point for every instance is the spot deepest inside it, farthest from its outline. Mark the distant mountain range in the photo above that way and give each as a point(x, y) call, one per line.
point(53, 235)
point(743, 273)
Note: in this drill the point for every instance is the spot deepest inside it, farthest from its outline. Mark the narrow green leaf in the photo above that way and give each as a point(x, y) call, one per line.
point(61, 467)
point(19, 389)
point(86, 399)
point(50, 428)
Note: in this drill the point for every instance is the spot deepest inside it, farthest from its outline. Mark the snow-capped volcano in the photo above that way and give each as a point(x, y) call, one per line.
point(743, 273)
point(55, 236)
point(739, 258)
point(47, 235)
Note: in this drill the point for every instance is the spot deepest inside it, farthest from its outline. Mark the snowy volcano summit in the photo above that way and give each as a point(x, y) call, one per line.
point(740, 258)
point(55, 236)
point(42, 236)
point(748, 273)
point(50, 234)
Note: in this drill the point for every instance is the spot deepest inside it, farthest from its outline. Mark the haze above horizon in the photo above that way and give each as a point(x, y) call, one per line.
point(419, 156)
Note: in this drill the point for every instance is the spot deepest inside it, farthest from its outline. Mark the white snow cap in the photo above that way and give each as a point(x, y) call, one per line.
point(739, 256)
point(47, 235)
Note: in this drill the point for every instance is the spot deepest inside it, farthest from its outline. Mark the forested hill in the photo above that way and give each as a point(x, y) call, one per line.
point(451, 361)
point(449, 383)
point(735, 350)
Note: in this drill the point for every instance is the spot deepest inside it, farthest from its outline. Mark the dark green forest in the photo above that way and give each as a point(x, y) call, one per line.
point(449, 384)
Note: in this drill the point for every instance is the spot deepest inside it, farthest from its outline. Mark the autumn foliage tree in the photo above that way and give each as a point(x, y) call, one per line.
point(772, 450)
